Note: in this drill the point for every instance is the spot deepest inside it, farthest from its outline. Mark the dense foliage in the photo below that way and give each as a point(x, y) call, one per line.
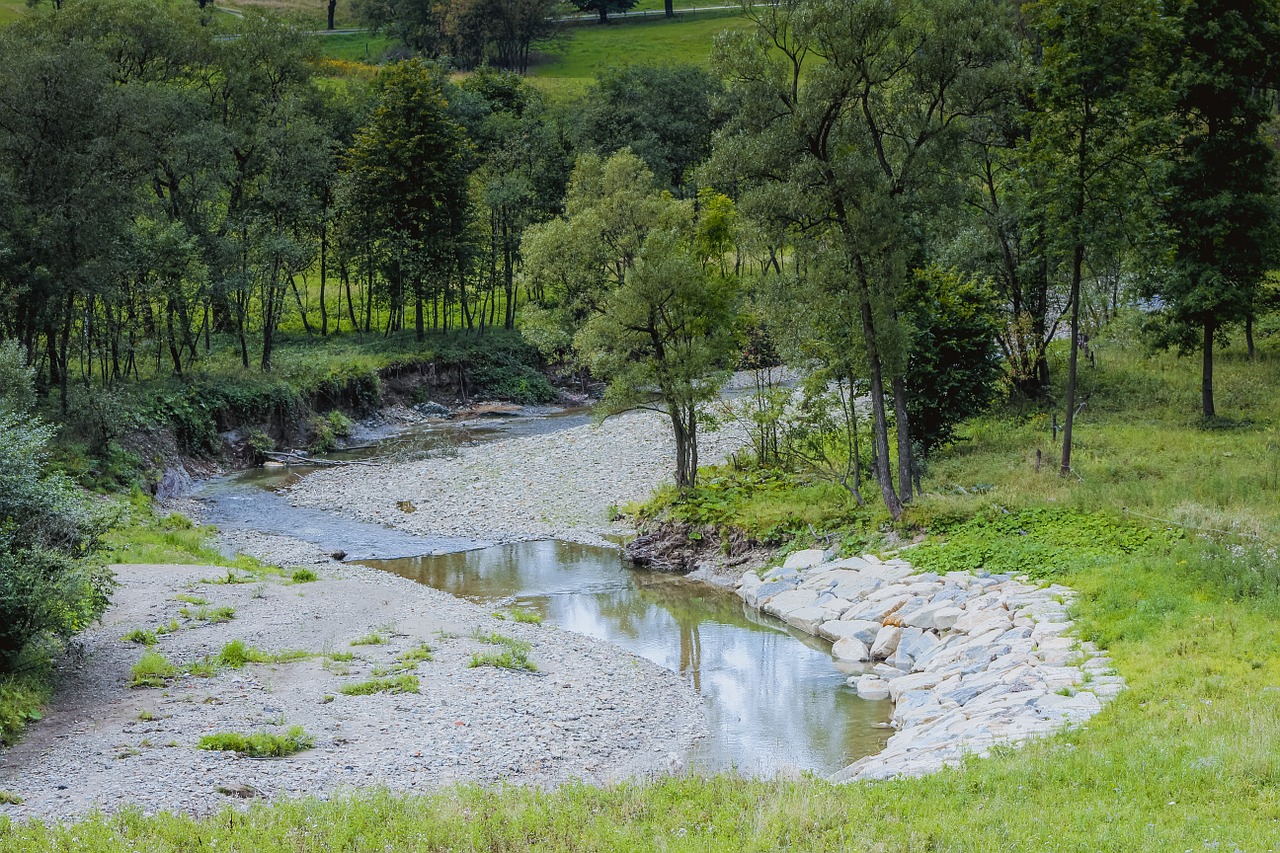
point(50, 588)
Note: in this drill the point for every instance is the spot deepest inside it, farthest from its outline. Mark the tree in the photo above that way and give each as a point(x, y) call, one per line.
point(666, 114)
point(619, 277)
point(1221, 205)
point(664, 340)
point(407, 178)
point(603, 7)
point(849, 121)
point(1098, 106)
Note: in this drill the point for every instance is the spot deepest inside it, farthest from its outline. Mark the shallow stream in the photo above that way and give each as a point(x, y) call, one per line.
point(775, 702)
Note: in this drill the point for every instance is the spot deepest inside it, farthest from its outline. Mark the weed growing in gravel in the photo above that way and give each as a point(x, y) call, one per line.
point(8, 799)
point(419, 652)
point(168, 628)
point(191, 599)
point(210, 615)
point(152, 670)
point(371, 639)
point(399, 684)
point(259, 744)
point(340, 656)
point(304, 576)
point(236, 654)
point(141, 636)
point(529, 617)
point(514, 655)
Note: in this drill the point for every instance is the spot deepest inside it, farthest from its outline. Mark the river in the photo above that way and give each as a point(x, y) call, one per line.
point(774, 700)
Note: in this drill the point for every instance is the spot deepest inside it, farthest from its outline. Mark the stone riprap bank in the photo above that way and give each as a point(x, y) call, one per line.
point(969, 660)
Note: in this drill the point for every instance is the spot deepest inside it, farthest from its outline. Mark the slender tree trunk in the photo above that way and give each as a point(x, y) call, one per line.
point(880, 425)
point(669, 9)
point(1206, 372)
point(604, 14)
point(324, 262)
point(906, 454)
point(1077, 264)
point(333, 6)
point(1248, 337)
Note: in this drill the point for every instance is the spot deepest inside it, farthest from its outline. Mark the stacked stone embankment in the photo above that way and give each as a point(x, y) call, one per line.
point(970, 659)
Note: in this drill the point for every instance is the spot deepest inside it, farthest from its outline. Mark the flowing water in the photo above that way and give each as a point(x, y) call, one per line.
point(774, 699)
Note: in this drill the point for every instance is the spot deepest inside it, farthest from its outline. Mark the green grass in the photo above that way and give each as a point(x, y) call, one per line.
point(208, 615)
point(373, 638)
point(303, 576)
point(236, 654)
point(404, 683)
point(152, 670)
point(12, 10)
point(528, 617)
point(571, 65)
point(514, 654)
point(361, 48)
point(259, 744)
point(23, 695)
point(420, 652)
point(139, 536)
point(141, 636)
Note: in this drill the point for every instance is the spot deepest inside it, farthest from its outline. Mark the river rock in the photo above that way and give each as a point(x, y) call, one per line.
point(886, 642)
point(806, 559)
point(871, 687)
point(784, 602)
point(934, 617)
point(850, 649)
point(864, 630)
point(807, 619)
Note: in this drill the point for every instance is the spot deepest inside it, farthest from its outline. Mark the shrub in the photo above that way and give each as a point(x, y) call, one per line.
point(50, 588)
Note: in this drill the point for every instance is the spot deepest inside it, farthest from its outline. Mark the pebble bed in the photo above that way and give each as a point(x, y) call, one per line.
point(559, 485)
point(970, 660)
point(590, 712)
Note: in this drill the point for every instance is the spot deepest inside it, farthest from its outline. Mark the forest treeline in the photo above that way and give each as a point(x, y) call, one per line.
point(911, 198)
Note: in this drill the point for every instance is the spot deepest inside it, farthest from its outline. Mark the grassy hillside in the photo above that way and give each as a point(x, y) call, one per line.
point(572, 62)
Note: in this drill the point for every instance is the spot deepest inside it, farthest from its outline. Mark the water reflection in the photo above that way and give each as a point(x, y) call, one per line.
point(774, 700)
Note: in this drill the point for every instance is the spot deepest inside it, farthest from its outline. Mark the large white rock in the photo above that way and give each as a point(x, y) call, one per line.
point(872, 687)
point(934, 617)
point(806, 559)
point(792, 599)
point(807, 619)
point(864, 629)
point(850, 648)
point(886, 642)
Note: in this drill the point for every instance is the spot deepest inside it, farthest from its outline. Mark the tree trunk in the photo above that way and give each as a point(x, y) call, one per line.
point(604, 13)
point(1248, 337)
point(333, 5)
point(906, 456)
point(1077, 263)
point(669, 9)
point(880, 426)
point(1206, 372)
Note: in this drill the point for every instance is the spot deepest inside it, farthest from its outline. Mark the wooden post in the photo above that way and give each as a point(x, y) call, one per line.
point(1039, 459)
point(1055, 426)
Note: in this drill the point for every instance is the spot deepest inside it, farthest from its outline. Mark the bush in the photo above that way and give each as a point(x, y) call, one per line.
point(50, 588)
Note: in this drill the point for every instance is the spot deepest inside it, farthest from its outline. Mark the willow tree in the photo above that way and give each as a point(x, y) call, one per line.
point(849, 118)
